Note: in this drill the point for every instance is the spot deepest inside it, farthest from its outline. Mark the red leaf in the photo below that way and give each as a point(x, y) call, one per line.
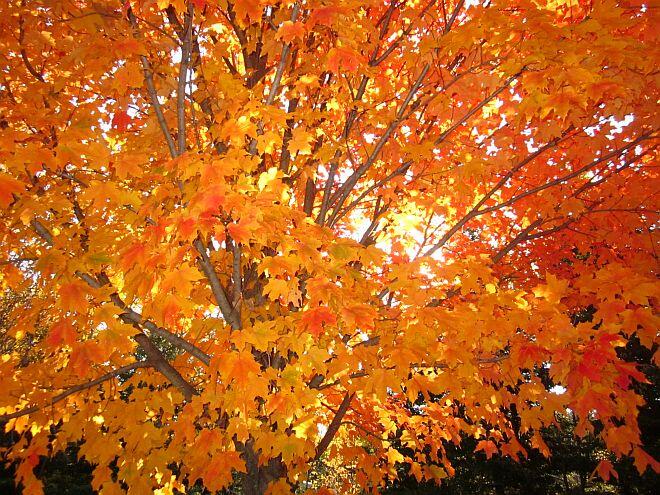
point(643, 460)
point(344, 58)
point(121, 120)
point(239, 232)
point(605, 470)
point(314, 319)
point(61, 333)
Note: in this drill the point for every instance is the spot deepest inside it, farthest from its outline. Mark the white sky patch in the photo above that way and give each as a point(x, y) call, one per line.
point(558, 390)
point(619, 125)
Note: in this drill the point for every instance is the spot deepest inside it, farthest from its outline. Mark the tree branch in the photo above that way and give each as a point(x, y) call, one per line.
point(186, 49)
point(136, 318)
point(158, 361)
point(346, 188)
point(77, 388)
point(153, 95)
point(280, 67)
point(228, 311)
point(334, 425)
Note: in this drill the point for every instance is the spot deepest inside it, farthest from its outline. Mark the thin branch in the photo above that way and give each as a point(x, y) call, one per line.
point(236, 266)
point(478, 107)
point(42, 231)
point(454, 15)
point(516, 240)
point(186, 50)
point(399, 171)
point(374, 61)
point(567, 177)
point(26, 60)
point(77, 388)
point(334, 425)
point(136, 318)
point(228, 311)
point(283, 58)
point(344, 191)
point(158, 361)
point(334, 164)
point(153, 95)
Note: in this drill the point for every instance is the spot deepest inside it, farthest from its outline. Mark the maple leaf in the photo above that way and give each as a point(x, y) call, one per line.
point(292, 448)
point(315, 319)
point(342, 58)
point(643, 461)
point(84, 356)
point(300, 143)
point(287, 291)
point(290, 31)
point(324, 15)
point(62, 333)
point(250, 9)
point(73, 296)
point(605, 470)
point(218, 473)
point(488, 447)
point(553, 290)
point(239, 367)
point(8, 188)
point(121, 120)
point(239, 232)
point(181, 279)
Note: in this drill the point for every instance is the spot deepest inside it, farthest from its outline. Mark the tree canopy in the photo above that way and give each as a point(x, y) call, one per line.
point(254, 231)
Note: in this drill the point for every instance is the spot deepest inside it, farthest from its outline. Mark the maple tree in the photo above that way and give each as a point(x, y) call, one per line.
point(255, 227)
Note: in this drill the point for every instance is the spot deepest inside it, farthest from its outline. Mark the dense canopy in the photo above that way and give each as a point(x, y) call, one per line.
point(257, 233)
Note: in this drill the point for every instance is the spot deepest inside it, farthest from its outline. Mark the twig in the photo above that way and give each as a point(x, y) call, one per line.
point(153, 95)
point(77, 388)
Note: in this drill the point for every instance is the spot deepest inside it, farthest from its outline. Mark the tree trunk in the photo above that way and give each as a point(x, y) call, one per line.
point(257, 478)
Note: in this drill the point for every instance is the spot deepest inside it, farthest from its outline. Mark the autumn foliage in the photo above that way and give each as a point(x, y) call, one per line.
point(258, 229)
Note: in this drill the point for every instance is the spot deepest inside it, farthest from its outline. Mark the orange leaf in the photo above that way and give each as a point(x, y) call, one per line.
point(487, 446)
point(314, 320)
point(643, 460)
point(8, 187)
point(61, 333)
point(344, 59)
point(605, 470)
point(72, 296)
point(289, 31)
point(239, 232)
